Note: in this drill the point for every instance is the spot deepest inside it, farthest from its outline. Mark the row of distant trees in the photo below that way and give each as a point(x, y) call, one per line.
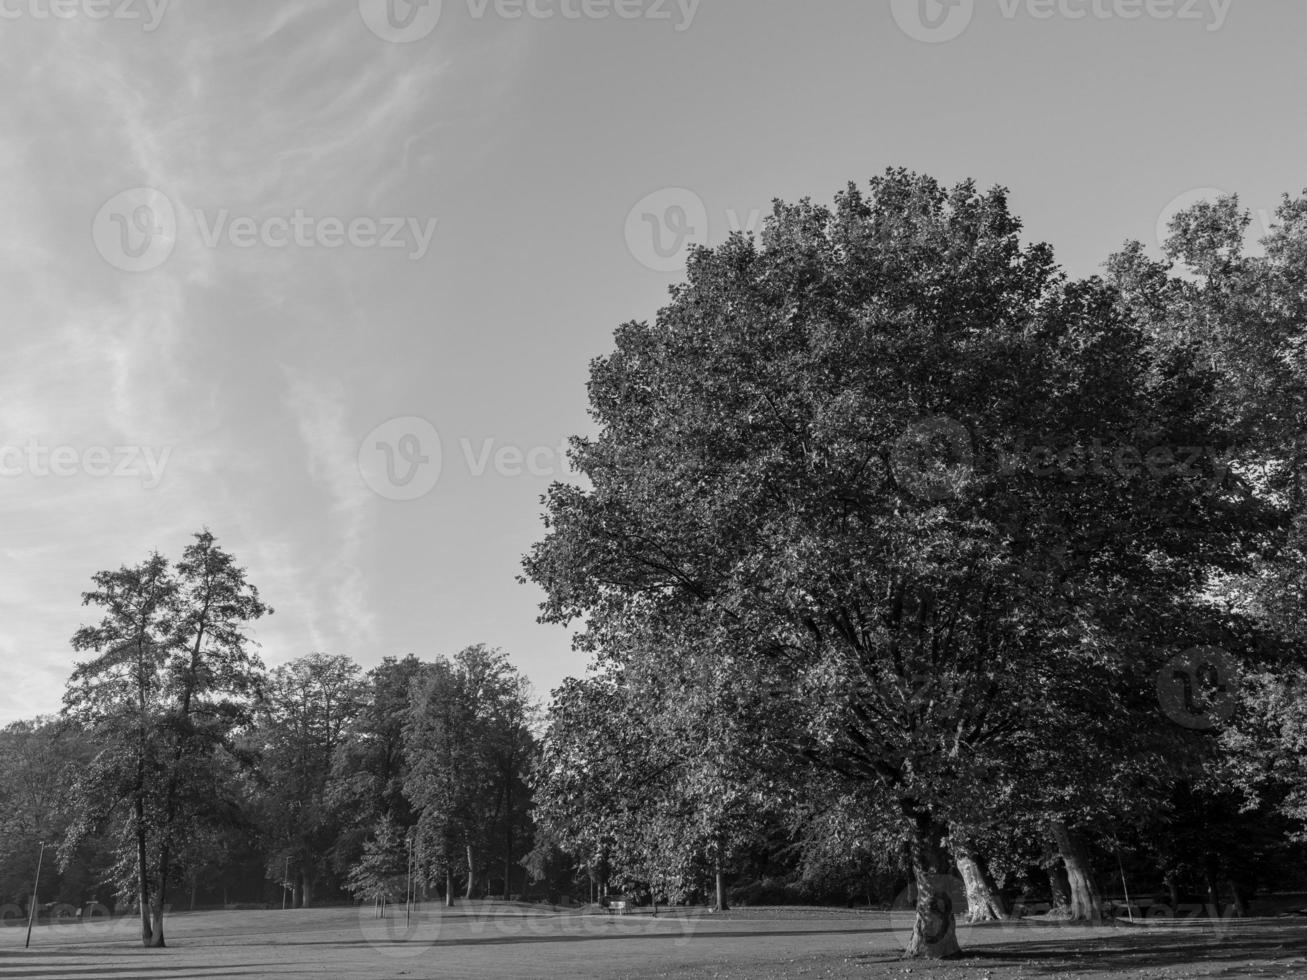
point(181, 765)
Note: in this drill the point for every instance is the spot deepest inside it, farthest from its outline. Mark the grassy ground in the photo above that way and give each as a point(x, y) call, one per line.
point(510, 941)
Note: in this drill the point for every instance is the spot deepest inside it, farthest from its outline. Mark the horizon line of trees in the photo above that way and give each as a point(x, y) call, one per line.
point(316, 782)
point(841, 646)
point(180, 765)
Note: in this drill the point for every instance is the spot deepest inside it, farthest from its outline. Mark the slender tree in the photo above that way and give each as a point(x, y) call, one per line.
point(172, 681)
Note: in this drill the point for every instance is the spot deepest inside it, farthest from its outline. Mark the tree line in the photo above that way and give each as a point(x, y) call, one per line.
point(181, 766)
point(909, 568)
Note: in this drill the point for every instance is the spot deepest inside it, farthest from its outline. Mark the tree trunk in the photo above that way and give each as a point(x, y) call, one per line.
point(934, 934)
point(1240, 906)
point(471, 871)
point(156, 906)
point(508, 836)
point(449, 886)
point(306, 890)
point(1086, 902)
point(721, 891)
point(170, 796)
point(143, 877)
point(1213, 893)
point(156, 940)
point(983, 902)
point(1060, 894)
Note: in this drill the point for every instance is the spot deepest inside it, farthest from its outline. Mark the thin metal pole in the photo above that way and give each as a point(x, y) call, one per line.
point(1124, 887)
point(31, 913)
point(408, 886)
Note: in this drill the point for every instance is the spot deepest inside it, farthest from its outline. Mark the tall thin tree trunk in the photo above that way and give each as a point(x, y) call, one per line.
point(508, 863)
point(1213, 892)
point(1086, 902)
point(170, 796)
point(143, 874)
point(471, 871)
point(934, 934)
point(449, 886)
point(508, 835)
point(1240, 903)
point(983, 902)
point(721, 890)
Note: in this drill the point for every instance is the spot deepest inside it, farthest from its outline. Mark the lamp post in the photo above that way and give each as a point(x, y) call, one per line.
point(31, 913)
point(408, 887)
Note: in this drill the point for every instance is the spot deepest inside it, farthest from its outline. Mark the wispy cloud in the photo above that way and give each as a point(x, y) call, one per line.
point(258, 109)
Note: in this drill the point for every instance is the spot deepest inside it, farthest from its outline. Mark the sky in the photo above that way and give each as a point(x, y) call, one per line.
point(326, 276)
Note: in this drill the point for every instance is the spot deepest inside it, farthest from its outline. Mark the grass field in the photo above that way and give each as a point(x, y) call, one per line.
point(508, 941)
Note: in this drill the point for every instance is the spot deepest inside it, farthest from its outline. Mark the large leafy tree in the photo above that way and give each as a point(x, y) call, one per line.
point(1244, 315)
point(306, 714)
point(39, 762)
point(637, 777)
point(469, 747)
point(866, 456)
point(368, 771)
point(170, 683)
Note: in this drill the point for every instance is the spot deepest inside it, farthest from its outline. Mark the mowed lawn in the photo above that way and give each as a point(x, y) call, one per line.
point(508, 941)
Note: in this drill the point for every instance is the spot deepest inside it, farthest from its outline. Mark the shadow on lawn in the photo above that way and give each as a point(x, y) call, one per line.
point(41, 964)
point(1151, 952)
point(690, 935)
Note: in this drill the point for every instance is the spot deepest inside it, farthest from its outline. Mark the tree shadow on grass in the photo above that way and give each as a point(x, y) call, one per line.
point(1232, 947)
point(42, 964)
point(168, 971)
point(511, 940)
